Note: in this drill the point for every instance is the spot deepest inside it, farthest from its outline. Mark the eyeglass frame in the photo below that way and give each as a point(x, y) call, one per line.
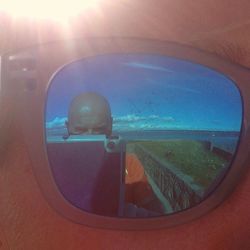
point(32, 99)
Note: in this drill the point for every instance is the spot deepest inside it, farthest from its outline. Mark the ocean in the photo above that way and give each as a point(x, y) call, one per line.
point(225, 140)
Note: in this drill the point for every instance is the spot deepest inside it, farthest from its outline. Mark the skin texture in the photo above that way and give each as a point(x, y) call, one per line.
point(89, 113)
point(26, 219)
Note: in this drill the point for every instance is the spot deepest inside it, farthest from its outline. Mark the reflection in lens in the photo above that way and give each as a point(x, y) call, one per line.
point(140, 135)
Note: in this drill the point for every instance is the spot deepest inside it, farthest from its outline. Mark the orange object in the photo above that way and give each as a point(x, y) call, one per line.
point(138, 190)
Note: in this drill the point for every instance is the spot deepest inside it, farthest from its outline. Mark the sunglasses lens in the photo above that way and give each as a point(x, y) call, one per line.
point(135, 135)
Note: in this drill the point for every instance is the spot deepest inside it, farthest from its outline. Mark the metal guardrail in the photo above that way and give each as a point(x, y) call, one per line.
point(175, 186)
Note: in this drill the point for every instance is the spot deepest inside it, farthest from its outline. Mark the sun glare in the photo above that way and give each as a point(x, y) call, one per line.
point(46, 9)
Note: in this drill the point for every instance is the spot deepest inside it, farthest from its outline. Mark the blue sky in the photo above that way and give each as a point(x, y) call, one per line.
point(149, 92)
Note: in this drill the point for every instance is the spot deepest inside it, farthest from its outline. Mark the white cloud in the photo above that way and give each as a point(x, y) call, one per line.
point(175, 87)
point(58, 122)
point(134, 122)
point(125, 123)
point(147, 66)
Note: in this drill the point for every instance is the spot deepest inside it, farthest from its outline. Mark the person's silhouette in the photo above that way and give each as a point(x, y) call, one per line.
point(90, 113)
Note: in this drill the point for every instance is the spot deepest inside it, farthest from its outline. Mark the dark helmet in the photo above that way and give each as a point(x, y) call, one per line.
point(89, 113)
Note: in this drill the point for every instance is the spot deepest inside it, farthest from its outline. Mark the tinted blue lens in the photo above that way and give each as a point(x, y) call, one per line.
point(134, 135)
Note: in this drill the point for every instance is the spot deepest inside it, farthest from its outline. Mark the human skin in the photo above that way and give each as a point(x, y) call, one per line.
point(26, 219)
point(89, 113)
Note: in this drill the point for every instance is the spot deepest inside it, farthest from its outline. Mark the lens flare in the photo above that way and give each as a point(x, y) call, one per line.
point(52, 10)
